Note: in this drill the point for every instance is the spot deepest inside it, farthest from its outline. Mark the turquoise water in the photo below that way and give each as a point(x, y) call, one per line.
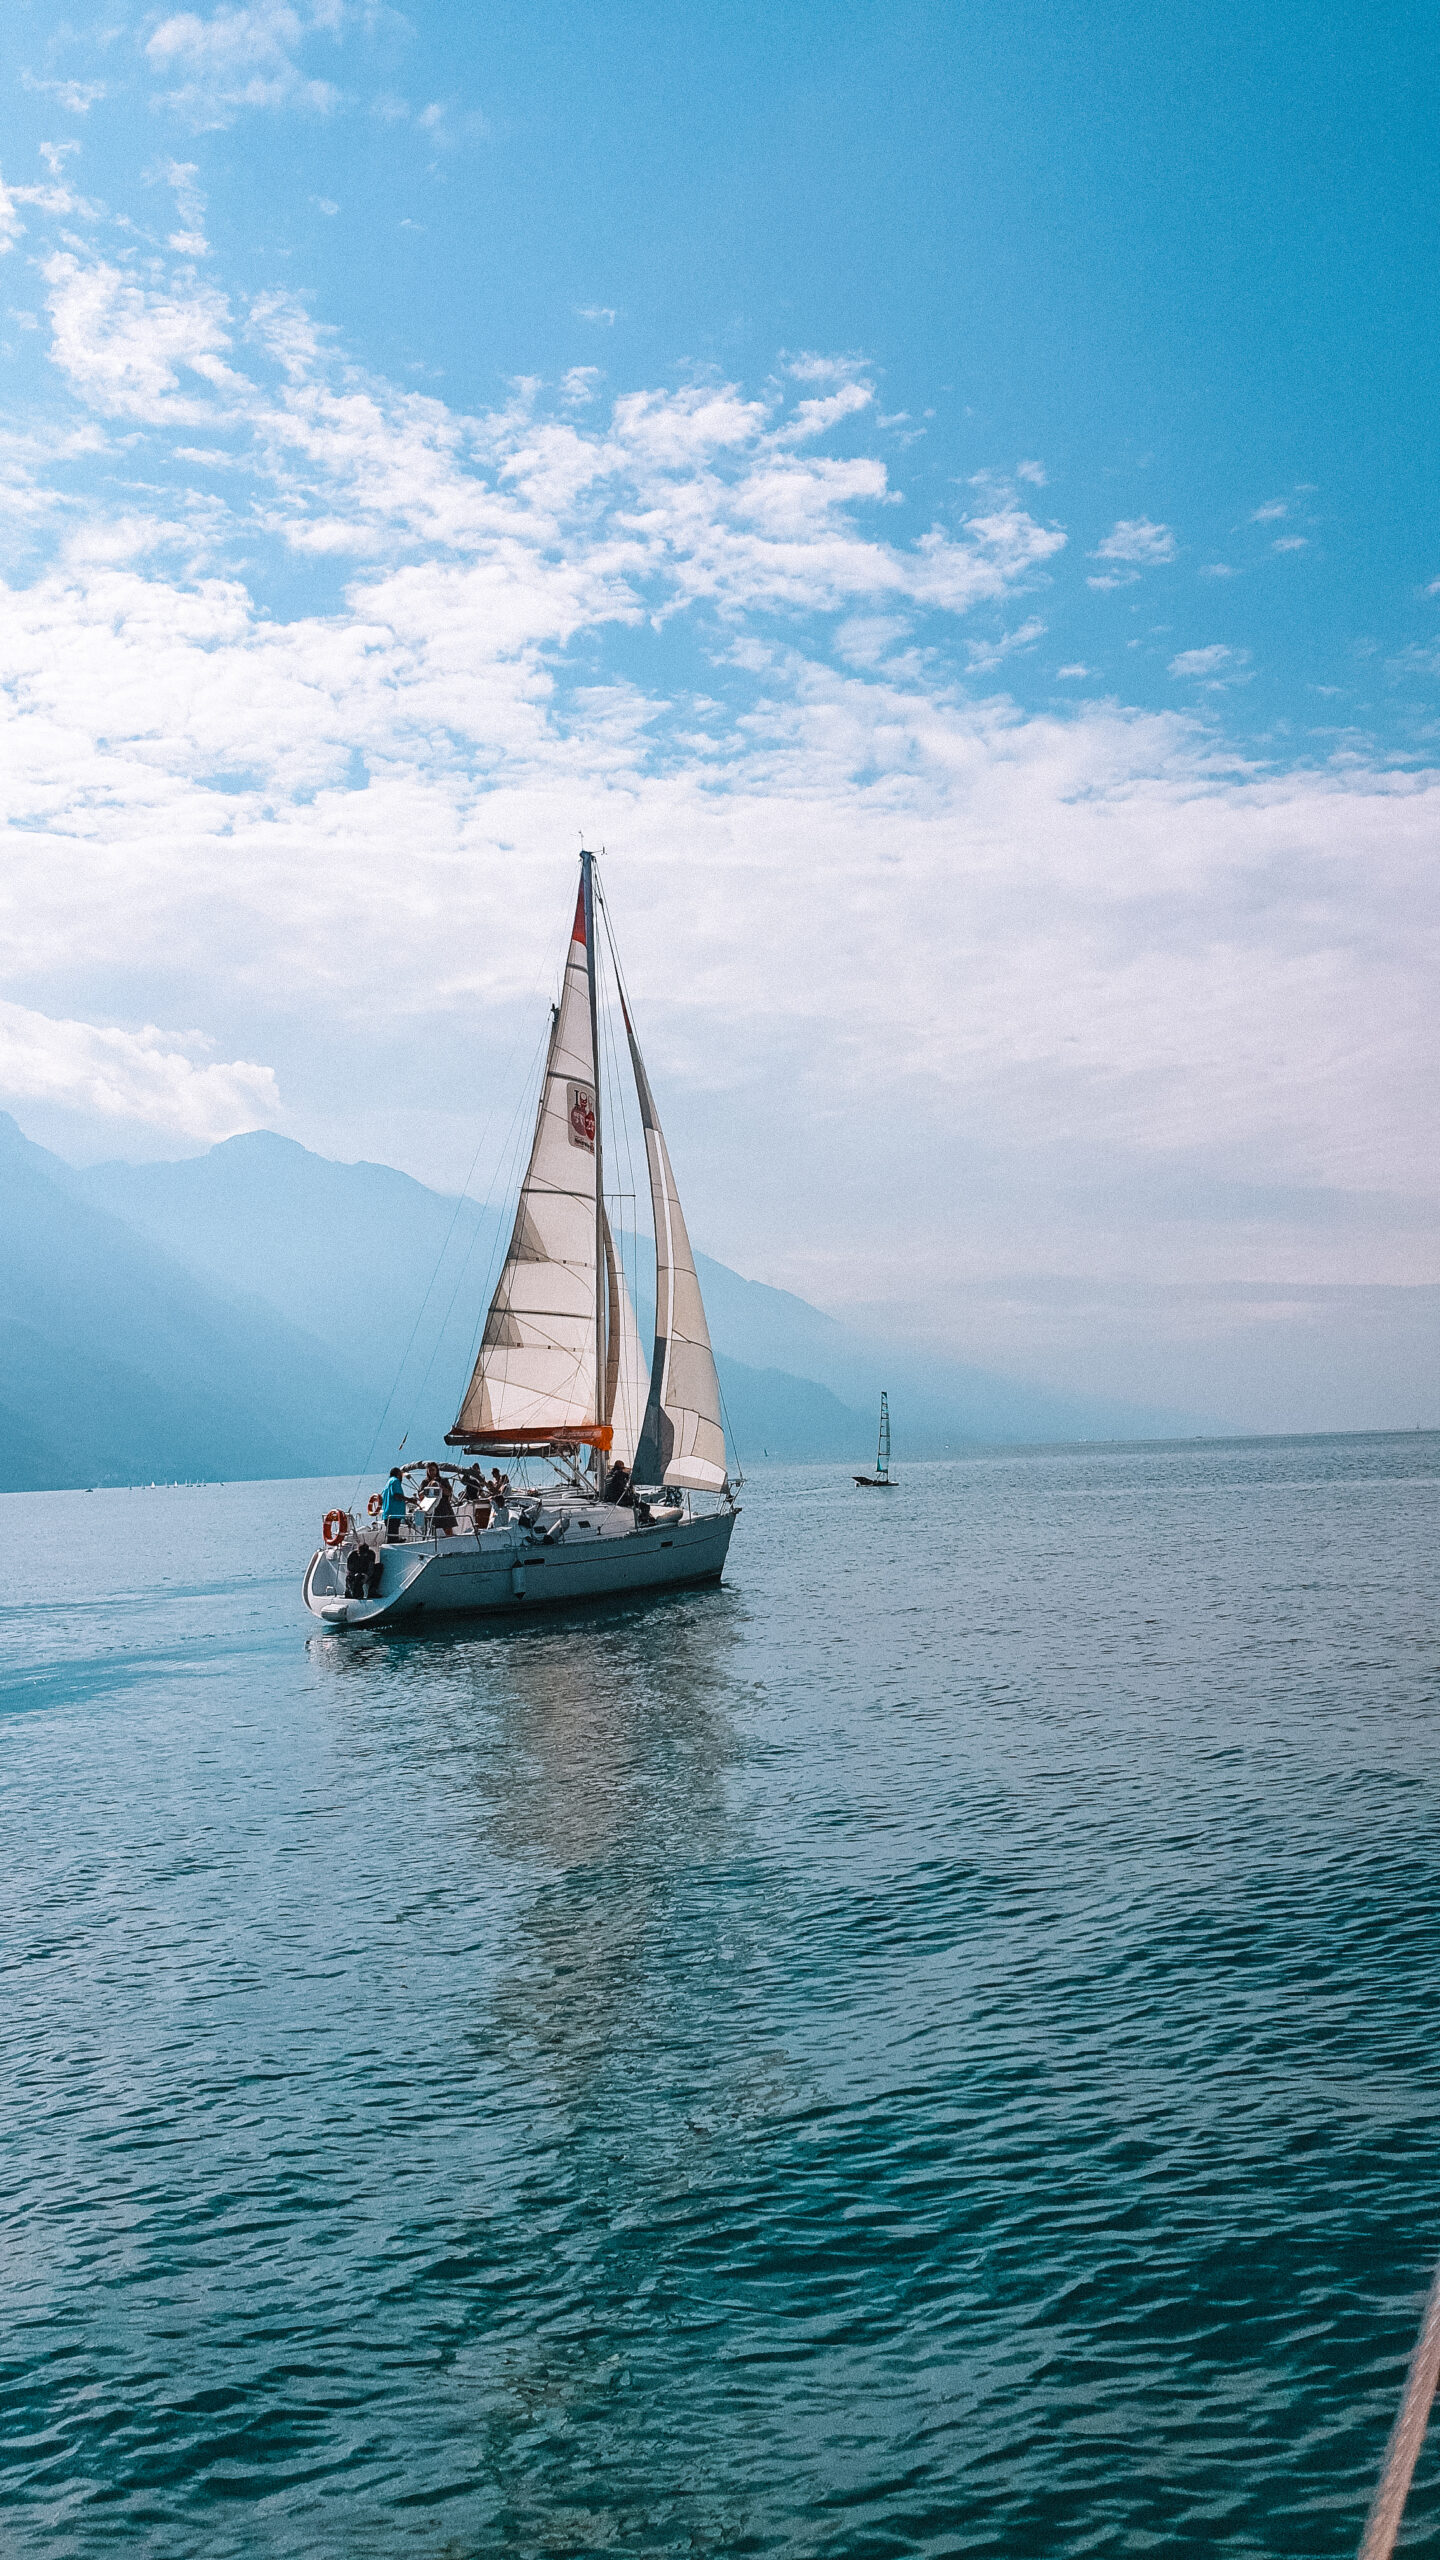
point(931, 2048)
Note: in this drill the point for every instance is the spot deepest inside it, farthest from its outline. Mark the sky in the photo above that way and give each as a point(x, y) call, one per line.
point(945, 496)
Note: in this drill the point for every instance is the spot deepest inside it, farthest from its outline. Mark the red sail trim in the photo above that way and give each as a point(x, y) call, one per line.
point(577, 930)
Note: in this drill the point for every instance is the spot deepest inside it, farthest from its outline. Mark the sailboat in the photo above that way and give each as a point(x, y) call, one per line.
point(882, 1449)
point(623, 1478)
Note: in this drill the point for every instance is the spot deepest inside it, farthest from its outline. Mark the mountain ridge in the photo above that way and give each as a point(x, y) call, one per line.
point(222, 1211)
point(264, 1310)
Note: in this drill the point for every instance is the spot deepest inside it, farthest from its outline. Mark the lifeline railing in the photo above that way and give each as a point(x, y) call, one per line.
point(1406, 2436)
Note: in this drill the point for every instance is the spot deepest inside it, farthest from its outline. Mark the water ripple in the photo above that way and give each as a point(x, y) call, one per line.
point(926, 2050)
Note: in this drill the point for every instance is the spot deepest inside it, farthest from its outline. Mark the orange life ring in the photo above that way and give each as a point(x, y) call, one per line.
point(337, 1525)
point(373, 1506)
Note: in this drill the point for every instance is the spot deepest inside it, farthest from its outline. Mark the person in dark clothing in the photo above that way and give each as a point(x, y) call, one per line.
point(362, 1573)
point(617, 1483)
point(437, 1502)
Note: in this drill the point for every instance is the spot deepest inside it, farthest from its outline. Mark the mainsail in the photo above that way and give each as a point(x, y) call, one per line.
point(682, 1440)
point(536, 1377)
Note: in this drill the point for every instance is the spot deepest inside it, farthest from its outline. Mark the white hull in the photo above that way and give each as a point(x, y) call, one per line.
point(603, 1556)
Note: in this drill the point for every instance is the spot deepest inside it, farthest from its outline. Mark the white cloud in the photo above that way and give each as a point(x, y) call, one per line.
point(125, 349)
point(1271, 512)
point(1034, 472)
point(1076, 671)
point(11, 225)
point(158, 1079)
point(77, 97)
point(600, 311)
point(808, 366)
point(1416, 661)
point(1291, 542)
point(60, 202)
point(1218, 569)
point(1210, 663)
point(864, 639)
point(983, 656)
point(242, 57)
point(182, 177)
point(1138, 543)
point(815, 417)
point(1117, 945)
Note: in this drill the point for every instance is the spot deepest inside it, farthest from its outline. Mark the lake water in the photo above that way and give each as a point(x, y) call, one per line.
point(930, 2048)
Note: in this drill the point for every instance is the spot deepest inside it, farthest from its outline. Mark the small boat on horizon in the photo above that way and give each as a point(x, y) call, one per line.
point(882, 1475)
point(624, 1484)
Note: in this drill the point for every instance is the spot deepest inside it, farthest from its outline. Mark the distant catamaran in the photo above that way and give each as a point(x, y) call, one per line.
point(635, 1492)
point(882, 1450)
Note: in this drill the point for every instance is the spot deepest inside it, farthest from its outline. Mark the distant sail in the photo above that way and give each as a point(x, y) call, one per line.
point(626, 1379)
point(535, 1376)
point(682, 1440)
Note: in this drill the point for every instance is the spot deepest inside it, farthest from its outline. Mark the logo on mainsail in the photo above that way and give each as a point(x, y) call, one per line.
point(582, 1116)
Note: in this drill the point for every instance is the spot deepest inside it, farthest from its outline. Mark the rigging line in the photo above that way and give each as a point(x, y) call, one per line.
point(505, 1179)
point(502, 1184)
point(420, 1312)
point(624, 994)
point(465, 1265)
point(623, 1119)
point(730, 1428)
point(608, 1082)
point(1407, 2436)
point(434, 1276)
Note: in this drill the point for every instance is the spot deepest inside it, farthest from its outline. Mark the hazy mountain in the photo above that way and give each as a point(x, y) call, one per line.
point(394, 1279)
point(117, 1365)
point(354, 1253)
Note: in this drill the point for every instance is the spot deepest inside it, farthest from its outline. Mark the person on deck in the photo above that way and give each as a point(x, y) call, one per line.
point(393, 1507)
point(437, 1502)
point(362, 1573)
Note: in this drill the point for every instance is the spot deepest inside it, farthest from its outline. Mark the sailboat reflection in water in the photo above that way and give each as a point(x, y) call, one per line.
point(622, 1477)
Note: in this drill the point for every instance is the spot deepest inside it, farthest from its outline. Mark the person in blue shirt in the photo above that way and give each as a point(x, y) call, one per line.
point(392, 1507)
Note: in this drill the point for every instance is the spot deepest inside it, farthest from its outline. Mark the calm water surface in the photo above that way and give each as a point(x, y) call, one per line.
point(931, 2048)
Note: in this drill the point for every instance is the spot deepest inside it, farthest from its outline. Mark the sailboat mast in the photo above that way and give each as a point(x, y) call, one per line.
point(587, 884)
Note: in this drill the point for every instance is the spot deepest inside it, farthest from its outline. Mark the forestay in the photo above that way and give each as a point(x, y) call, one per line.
point(626, 1380)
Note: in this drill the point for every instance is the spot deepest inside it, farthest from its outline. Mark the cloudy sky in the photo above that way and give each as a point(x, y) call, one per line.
point(946, 496)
